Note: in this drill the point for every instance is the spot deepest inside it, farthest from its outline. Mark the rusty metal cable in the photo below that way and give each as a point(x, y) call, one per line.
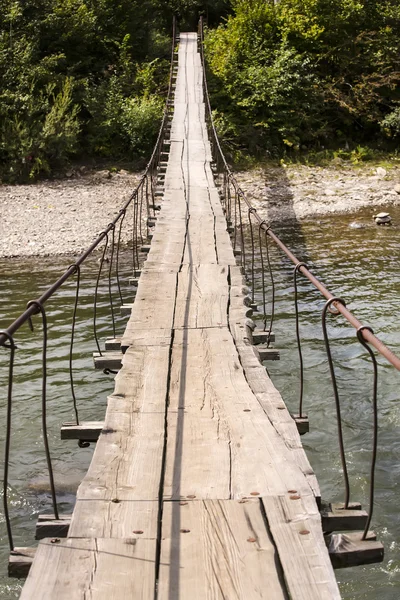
point(252, 254)
point(10, 344)
point(24, 317)
point(123, 214)
point(110, 281)
point(298, 338)
point(262, 275)
point(375, 427)
point(328, 307)
point(272, 317)
point(71, 346)
point(96, 291)
point(40, 309)
point(369, 337)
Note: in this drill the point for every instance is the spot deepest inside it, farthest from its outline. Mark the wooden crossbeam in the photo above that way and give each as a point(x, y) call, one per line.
point(107, 360)
point(88, 431)
point(49, 526)
point(349, 550)
point(337, 518)
point(20, 562)
point(261, 337)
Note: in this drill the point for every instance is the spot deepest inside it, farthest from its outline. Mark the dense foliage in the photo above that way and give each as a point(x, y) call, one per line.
point(84, 78)
point(299, 74)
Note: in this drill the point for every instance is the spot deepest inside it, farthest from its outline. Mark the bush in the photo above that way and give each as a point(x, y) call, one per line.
point(42, 135)
point(304, 74)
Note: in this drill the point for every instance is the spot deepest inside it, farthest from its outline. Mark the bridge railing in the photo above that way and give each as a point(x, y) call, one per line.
point(134, 220)
point(249, 229)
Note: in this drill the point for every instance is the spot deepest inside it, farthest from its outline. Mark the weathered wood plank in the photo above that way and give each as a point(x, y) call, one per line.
point(108, 519)
point(100, 569)
point(88, 431)
point(202, 298)
point(206, 373)
point(297, 534)
point(20, 562)
point(216, 550)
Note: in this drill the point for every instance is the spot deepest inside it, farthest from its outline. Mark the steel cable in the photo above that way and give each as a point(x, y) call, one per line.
point(96, 295)
point(71, 347)
point(375, 426)
point(42, 311)
point(296, 305)
point(328, 306)
point(12, 347)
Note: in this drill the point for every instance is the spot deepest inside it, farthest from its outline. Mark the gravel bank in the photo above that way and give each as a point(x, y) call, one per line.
point(64, 216)
point(297, 191)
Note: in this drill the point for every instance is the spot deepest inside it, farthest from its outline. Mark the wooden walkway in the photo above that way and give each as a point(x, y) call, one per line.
point(199, 486)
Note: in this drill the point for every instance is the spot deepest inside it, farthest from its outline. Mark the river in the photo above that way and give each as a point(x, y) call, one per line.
point(359, 265)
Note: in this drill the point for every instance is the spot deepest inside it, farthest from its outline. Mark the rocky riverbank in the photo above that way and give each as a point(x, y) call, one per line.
point(298, 191)
point(64, 216)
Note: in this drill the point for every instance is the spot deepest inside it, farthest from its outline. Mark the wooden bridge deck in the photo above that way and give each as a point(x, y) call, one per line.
point(199, 486)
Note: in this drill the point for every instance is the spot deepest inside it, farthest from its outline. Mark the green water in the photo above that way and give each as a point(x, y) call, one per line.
point(360, 265)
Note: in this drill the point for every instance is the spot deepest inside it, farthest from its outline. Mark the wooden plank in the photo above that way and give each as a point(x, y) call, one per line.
point(108, 519)
point(206, 373)
point(191, 436)
point(20, 562)
point(350, 550)
point(107, 360)
point(100, 569)
point(113, 344)
point(297, 534)
point(218, 549)
point(336, 518)
point(52, 528)
point(260, 383)
point(202, 298)
point(88, 431)
point(127, 461)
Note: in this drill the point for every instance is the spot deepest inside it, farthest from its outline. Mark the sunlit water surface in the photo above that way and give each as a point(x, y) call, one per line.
point(359, 265)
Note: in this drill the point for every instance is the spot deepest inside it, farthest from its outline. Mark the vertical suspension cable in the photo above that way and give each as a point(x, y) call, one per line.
point(96, 294)
point(140, 213)
point(296, 307)
point(252, 210)
point(327, 307)
point(262, 272)
point(375, 426)
point(7, 446)
point(135, 242)
point(243, 261)
point(271, 323)
point(112, 225)
point(123, 215)
point(71, 346)
point(42, 311)
point(235, 226)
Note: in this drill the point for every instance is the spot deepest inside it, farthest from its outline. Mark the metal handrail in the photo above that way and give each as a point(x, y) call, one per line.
point(33, 308)
point(367, 334)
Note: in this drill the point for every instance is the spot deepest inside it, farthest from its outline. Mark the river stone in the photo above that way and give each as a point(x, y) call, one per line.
point(381, 172)
point(397, 188)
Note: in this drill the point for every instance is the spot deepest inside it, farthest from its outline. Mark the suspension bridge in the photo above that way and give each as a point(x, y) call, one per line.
point(199, 486)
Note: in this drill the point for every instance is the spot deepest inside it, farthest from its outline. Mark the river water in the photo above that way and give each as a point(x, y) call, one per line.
point(359, 265)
